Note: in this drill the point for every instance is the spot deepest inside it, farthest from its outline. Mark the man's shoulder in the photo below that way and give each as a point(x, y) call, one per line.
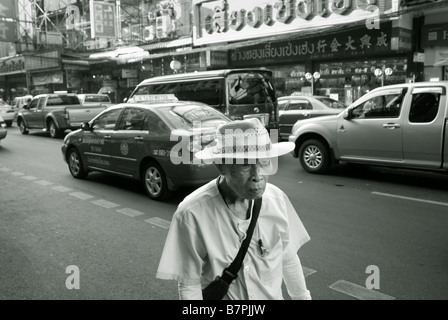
point(274, 191)
point(200, 196)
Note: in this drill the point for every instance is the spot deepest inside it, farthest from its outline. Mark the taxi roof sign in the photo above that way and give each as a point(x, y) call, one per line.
point(154, 98)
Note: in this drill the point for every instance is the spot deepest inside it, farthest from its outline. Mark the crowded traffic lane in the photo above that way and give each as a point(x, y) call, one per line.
point(351, 223)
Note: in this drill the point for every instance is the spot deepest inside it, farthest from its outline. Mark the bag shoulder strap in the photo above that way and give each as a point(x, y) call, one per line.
point(229, 273)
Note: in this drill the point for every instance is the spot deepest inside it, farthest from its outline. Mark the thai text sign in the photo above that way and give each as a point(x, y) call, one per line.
point(220, 21)
point(355, 43)
point(103, 19)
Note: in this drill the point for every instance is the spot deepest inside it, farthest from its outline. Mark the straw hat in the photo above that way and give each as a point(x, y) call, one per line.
point(244, 139)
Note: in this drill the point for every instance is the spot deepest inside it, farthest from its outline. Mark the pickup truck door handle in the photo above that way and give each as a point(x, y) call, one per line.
point(391, 125)
point(107, 137)
point(138, 138)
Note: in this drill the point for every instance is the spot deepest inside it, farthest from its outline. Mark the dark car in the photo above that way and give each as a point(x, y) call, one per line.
point(294, 108)
point(150, 142)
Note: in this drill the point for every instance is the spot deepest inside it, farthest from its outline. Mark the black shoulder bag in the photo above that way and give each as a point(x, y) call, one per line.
point(218, 288)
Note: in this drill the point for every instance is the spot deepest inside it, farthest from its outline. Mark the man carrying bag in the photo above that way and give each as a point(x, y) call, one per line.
point(223, 241)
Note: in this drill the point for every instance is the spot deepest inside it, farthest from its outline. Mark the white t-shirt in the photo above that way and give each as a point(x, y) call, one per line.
point(205, 236)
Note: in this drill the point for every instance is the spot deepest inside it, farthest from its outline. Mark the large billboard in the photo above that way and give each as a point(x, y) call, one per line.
point(231, 20)
point(103, 18)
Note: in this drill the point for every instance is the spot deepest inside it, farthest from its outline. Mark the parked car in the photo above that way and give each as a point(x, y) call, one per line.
point(400, 126)
point(90, 99)
point(150, 142)
point(55, 113)
point(3, 130)
point(300, 107)
point(7, 112)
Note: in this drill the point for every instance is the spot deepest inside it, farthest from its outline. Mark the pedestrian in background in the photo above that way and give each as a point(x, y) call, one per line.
point(210, 224)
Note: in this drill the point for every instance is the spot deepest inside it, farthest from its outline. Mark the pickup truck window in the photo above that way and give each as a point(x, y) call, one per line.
point(33, 104)
point(382, 106)
point(424, 107)
point(62, 100)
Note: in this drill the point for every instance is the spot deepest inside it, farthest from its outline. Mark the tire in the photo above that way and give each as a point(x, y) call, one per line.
point(75, 164)
point(8, 123)
point(314, 156)
point(154, 182)
point(22, 126)
point(53, 129)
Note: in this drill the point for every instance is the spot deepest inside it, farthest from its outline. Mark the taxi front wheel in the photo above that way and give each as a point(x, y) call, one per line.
point(154, 182)
point(75, 164)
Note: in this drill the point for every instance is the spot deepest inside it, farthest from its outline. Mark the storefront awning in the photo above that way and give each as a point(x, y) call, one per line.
point(168, 44)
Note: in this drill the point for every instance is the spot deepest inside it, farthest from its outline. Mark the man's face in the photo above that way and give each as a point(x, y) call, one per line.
point(247, 180)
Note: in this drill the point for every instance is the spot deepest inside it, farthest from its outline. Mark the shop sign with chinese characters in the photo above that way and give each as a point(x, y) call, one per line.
point(103, 19)
point(355, 43)
point(230, 20)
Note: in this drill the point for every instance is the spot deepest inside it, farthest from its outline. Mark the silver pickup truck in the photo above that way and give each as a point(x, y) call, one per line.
point(56, 113)
point(403, 125)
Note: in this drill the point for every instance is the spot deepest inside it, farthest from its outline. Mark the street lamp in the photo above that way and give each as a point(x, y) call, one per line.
point(312, 78)
point(380, 74)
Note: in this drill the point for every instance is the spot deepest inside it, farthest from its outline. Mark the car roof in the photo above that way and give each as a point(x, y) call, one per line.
point(161, 105)
point(201, 74)
point(414, 84)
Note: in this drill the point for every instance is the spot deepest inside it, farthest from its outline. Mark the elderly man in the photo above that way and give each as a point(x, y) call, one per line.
point(210, 225)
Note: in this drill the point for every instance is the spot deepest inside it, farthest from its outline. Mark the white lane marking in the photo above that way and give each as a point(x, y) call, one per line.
point(165, 224)
point(4, 169)
point(359, 292)
point(29, 178)
point(307, 271)
point(17, 173)
point(81, 195)
point(130, 212)
point(105, 204)
point(43, 182)
point(61, 189)
point(410, 198)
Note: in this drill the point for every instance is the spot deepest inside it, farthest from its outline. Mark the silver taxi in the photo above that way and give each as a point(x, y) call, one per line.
point(150, 142)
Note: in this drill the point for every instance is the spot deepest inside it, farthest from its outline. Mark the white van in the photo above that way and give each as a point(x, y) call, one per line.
point(19, 102)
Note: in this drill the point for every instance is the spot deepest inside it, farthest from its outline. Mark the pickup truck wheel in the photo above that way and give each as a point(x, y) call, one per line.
point(75, 164)
point(22, 126)
point(314, 156)
point(154, 182)
point(54, 131)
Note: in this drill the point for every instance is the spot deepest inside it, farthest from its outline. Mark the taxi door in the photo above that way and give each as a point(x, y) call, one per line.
point(95, 145)
point(128, 143)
